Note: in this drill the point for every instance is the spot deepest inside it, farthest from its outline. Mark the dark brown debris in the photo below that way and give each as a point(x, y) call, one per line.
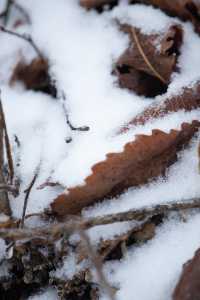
point(188, 287)
point(78, 288)
point(29, 270)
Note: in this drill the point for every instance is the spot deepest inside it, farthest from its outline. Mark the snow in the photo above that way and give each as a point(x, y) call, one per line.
point(82, 47)
point(49, 294)
point(70, 268)
point(2, 249)
point(152, 270)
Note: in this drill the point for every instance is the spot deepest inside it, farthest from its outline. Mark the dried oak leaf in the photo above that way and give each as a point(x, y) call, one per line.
point(144, 158)
point(188, 287)
point(35, 76)
point(146, 66)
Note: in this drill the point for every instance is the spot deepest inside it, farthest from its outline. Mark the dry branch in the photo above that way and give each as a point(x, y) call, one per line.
point(141, 214)
point(73, 224)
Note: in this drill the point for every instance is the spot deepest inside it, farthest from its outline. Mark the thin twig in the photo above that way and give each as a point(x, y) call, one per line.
point(142, 213)
point(25, 37)
point(145, 57)
point(82, 128)
point(7, 144)
point(28, 191)
point(97, 264)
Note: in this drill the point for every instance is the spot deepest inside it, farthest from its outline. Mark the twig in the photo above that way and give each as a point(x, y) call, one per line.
point(17, 141)
point(7, 144)
point(141, 214)
point(52, 231)
point(28, 191)
point(25, 37)
point(70, 226)
point(82, 128)
point(97, 264)
point(145, 57)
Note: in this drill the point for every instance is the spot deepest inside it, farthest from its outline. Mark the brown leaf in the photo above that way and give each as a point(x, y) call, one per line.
point(142, 67)
point(188, 287)
point(144, 158)
point(35, 76)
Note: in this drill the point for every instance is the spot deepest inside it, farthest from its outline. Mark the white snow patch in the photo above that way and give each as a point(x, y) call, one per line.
point(49, 294)
point(152, 270)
